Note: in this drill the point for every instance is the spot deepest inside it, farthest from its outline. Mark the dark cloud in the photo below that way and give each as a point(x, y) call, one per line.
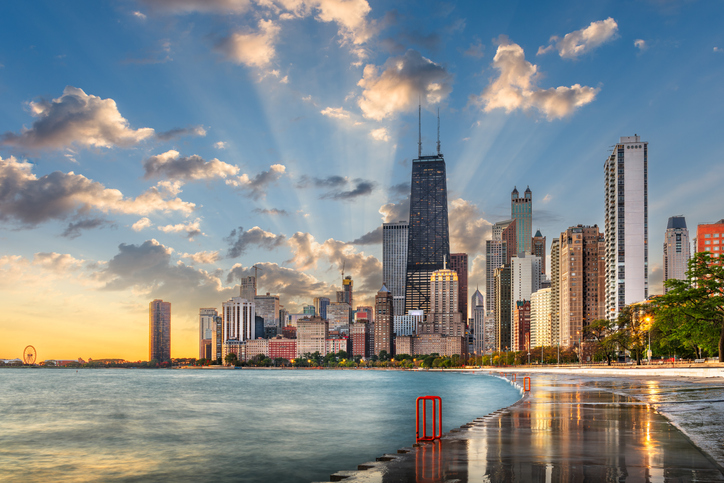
point(328, 182)
point(256, 187)
point(401, 189)
point(73, 230)
point(430, 41)
point(373, 237)
point(172, 165)
point(286, 282)
point(271, 212)
point(239, 240)
point(361, 188)
point(76, 118)
point(181, 131)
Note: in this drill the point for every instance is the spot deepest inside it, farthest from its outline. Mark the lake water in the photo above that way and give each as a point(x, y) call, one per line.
point(202, 425)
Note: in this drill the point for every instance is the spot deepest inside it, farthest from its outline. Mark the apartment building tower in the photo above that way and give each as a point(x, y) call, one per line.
point(394, 261)
point(677, 249)
point(159, 328)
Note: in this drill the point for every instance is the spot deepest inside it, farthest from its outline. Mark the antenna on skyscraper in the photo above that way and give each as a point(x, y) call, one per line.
point(438, 131)
point(419, 128)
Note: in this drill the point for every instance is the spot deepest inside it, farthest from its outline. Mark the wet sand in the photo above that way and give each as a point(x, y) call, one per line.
point(573, 427)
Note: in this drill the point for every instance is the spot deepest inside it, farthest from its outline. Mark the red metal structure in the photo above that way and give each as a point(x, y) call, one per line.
point(526, 383)
point(436, 418)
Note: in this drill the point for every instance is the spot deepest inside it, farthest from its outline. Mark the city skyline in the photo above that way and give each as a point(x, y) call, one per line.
point(159, 152)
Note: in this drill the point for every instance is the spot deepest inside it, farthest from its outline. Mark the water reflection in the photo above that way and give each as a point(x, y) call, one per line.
point(568, 432)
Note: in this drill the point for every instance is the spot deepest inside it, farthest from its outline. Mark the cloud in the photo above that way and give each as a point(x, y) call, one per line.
point(468, 228)
point(73, 229)
point(403, 81)
point(220, 145)
point(141, 224)
point(335, 112)
point(30, 200)
point(476, 50)
point(181, 131)
point(361, 188)
point(515, 88)
point(202, 6)
point(139, 15)
point(190, 229)
point(308, 254)
point(57, 262)
point(394, 212)
point(203, 258)
point(291, 285)
point(239, 240)
point(373, 237)
point(718, 49)
point(577, 43)
point(76, 118)
point(380, 134)
point(256, 187)
point(333, 181)
point(400, 189)
point(640, 44)
point(547, 198)
point(253, 49)
point(172, 165)
point(271, 212)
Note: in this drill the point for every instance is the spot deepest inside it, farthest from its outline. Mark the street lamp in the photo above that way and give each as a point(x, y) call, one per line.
point(648, 352)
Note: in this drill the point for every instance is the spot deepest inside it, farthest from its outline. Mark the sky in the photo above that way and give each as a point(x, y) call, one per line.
point(161, 148)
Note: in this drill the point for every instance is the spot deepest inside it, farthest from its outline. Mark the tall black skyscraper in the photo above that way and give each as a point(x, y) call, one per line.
point(429, 238)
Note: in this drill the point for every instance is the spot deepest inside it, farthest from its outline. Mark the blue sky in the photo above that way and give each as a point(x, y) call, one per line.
point(160, 148)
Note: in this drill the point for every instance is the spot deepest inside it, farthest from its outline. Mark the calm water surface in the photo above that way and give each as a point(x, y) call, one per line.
point(199, 425)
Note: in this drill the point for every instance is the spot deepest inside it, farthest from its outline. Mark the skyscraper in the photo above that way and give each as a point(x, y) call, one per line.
point(320, 306)
point(677, 249)
point(521, 210)
point(483, 335)
point(444, 317)
point(497, 252)
point(503, 313)
point(159, 328)
point(524, 276)
point(539, 250)
point(394, 261)
point(555, 291)
point(239, 319)
point(582, 281)
point(540, 318)
point(627, 214)
point(459, 263)
point(207, 330)
point(248, 288)
point(384, 321)
point(345, 295)
point(429, 238)
point(267, 307)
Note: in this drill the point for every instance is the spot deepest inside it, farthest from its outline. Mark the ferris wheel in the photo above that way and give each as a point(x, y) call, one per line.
point(30, 355)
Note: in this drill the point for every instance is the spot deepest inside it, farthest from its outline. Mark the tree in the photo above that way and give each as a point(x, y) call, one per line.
point(230, 359)
point(693, 309)
point(602, 333)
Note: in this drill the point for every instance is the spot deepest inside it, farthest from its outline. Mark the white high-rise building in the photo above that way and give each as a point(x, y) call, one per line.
point(267, 307)
point(247, 289)
point(407, 324)
point(239, 320)
point(394, 262)
point(677, 249)
point(207, 331)
point(627, 236)
point(540, 318)
point(525, 277)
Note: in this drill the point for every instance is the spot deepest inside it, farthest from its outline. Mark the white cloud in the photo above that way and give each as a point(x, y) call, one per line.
point(380, 134)
point(190, 229)
point(256, 187)
point(140, 15)
point(515, 87)
point(718, 49)
point(57, 262)
point(547, 198)
point(30, 200)
point(202, 258)
point(335, 112)
point(253, 49)
point(76, 118)
point(579, 42)
point(141, 224)
point(203, 6)
point(172, 165)
point(403, 81)
point(640, 44)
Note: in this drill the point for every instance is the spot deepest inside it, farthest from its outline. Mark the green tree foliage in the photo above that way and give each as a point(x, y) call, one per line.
point(602, 334)
point(692, 311)
point(230, 359)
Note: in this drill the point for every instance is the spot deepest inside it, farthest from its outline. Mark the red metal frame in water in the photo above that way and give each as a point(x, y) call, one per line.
point(526, 383)
point(436, 418)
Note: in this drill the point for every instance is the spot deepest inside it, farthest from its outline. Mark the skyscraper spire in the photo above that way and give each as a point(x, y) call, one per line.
point(419, 129)
point(438, 131)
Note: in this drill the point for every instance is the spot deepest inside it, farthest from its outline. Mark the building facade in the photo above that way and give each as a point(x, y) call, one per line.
point(626, 218)
point(459, 264)
point(361, 339)
point(710, 238)
point(394, 261)
point(525, 278)
point(521, 210)
point(320, 306)
point(540, 318)
point(408, 324)
point(247, 288)
point(444, 317)
point(428, 243)
point(159, 328)
point(539, 250)
point(484, 334)
point(238, 319)
point(503, 336)
point(267, 307)
point(338, 314)
point(207, 330)
point(384, 321)
point(677, 249)
point(312, 336)
point(521, 326)
point(582, 281)
point(556, 292)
